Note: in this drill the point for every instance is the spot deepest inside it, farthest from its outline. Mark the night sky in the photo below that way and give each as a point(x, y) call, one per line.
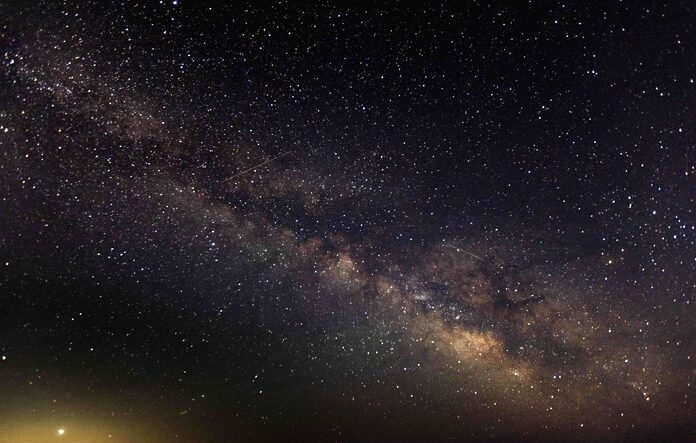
point(360, 221)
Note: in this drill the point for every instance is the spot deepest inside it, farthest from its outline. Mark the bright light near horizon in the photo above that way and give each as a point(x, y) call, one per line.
point(61, 431)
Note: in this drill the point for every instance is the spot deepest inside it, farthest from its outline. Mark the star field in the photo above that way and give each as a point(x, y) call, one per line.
point(347, 222)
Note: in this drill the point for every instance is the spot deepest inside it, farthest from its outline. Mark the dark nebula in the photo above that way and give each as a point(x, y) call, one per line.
point(359, 221)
